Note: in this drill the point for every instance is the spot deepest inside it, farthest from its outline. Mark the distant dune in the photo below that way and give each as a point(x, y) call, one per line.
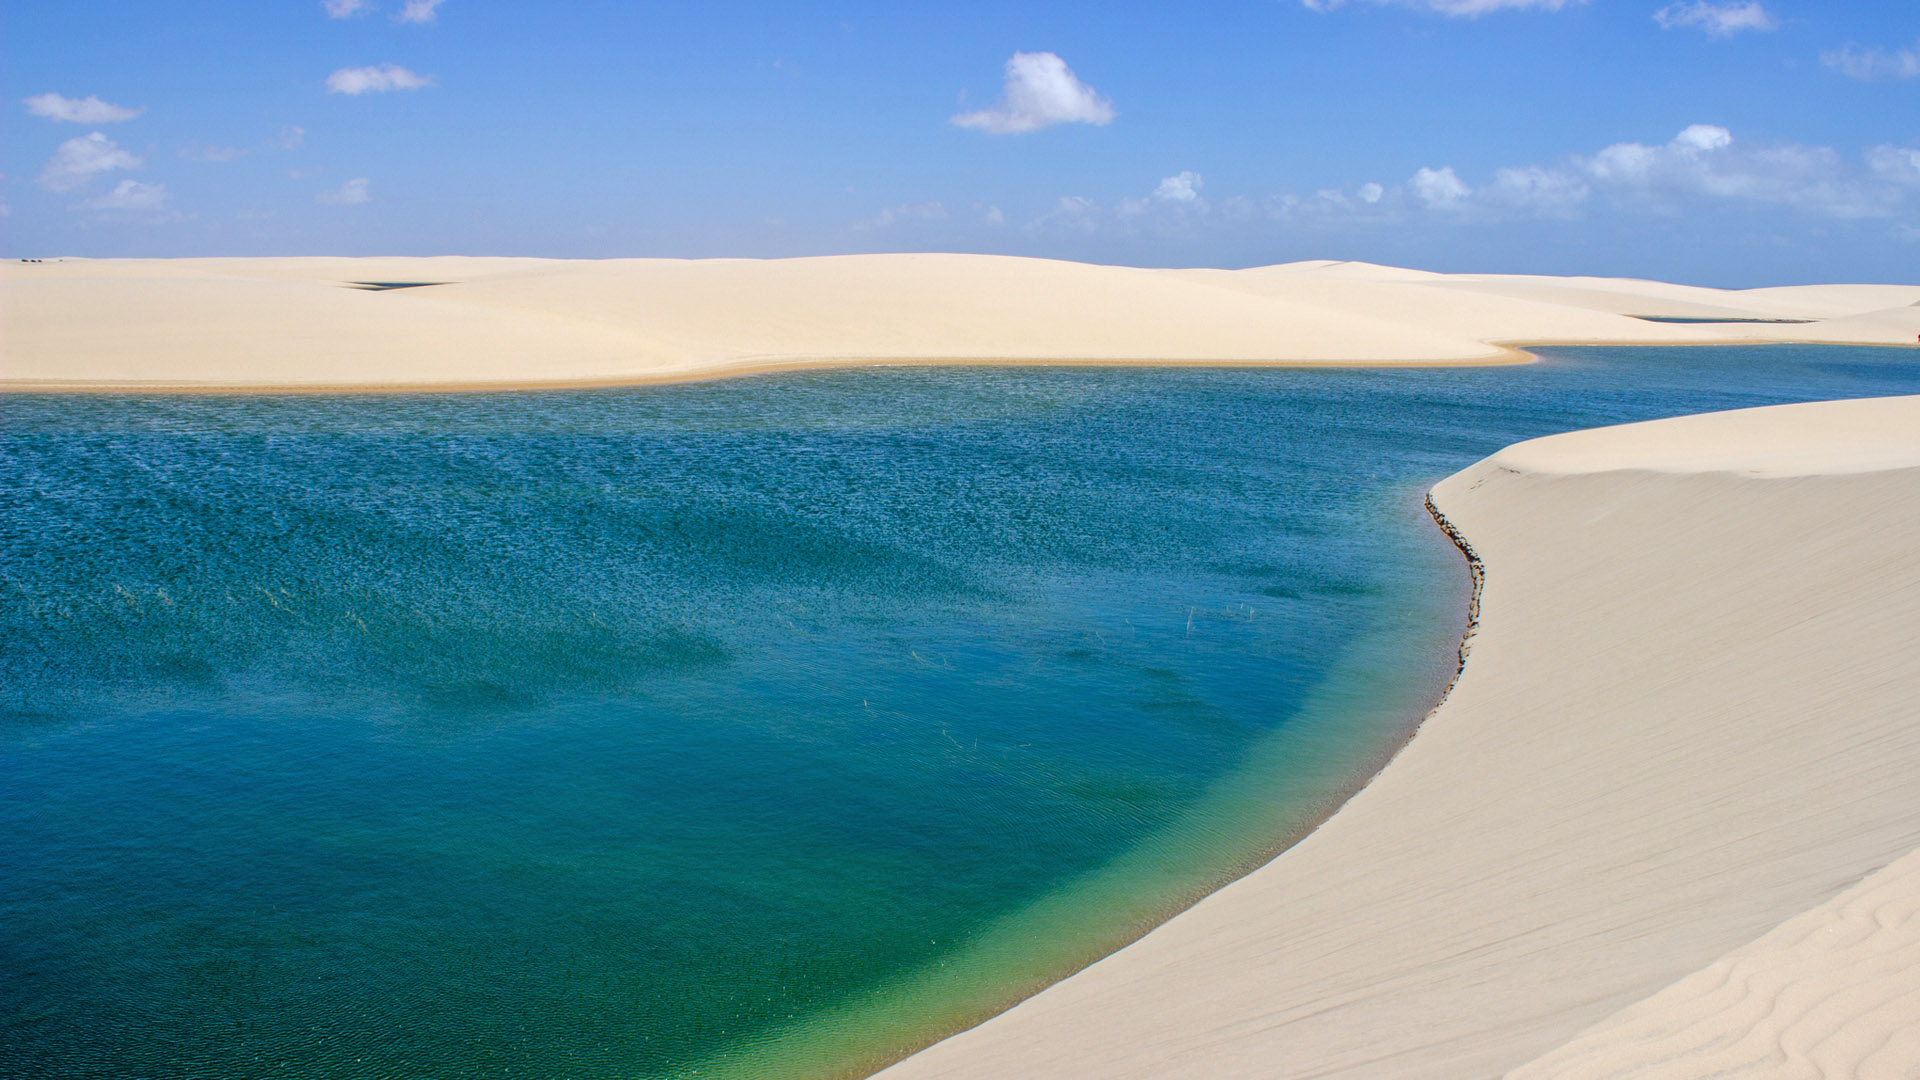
point(452, 321)
point(1685, 733)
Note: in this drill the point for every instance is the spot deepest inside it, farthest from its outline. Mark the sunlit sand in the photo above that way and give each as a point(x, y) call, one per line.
point(313, 322)
point(1684, 732)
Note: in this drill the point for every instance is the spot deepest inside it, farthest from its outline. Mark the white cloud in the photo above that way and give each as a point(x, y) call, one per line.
point(130, 195)
point(1701, 167)
point(377, 78)
point(1439, 188)
point(1704, 169)
point(1182, 189)
point(290, 138)
point(1871, 65)
point(86, 110)
point(1898, 164)
point(1717, 19)
point(1704, 137)
point(1456, 8)
point(352, 193)
point(1040, 91)
point(346, 9)
point(419, 11)
point(76, 160)
point(1705, 165)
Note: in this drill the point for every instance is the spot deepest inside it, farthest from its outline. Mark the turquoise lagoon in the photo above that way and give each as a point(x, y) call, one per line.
point(766, 727)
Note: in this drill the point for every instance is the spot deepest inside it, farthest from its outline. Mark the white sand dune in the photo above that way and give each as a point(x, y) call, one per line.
point(299, 322)
point(1832, 992)
point(1633, 839)
point(1691, 712)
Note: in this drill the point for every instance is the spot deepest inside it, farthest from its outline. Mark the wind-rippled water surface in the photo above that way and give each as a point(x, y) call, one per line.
point(759, 727)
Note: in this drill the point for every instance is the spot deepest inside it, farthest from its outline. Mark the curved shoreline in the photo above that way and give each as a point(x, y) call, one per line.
point(1524, 867)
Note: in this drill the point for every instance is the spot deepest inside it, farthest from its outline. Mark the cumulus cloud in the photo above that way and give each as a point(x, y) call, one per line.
point(1872, 65)
point(352, 193)
point(1717, 19)
point(1182, 188)
point(1701, 169)
point(1439, 188)
point(419, 11)
point(130, 195)
point(86, 110)
point(77, 160)
point(1040, 91)
point(1456, 8)
point(375, 79)
point(346, 9)
point(1702, 165)
point(291, 137)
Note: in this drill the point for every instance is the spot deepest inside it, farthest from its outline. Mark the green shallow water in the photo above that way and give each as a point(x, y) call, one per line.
point(767, 727)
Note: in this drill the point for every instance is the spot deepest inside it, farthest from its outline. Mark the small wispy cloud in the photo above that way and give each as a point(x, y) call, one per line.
point(932, 210)
point(1702, 169)
point(129, 195)
point(1898, 164)
point(1701, 166)
point(346, 9)
point(1717, 19)
point(1457, 8)
point(86, 110)
point(352, 193)
point(419, 11)
point(1040, 91)
point(76, 161)
point(1076, 212)
point(290, 137)
point(197, 152)
point(1873, 65)
point(375, 79)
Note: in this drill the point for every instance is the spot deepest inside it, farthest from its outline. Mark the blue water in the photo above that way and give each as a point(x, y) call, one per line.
point(762, 727)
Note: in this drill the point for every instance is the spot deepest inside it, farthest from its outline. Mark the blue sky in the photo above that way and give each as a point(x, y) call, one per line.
point(1728, 142)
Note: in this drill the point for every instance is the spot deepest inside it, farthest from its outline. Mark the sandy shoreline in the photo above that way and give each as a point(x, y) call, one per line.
point(1684, 737)
point(302, 324)
point(1684, 747)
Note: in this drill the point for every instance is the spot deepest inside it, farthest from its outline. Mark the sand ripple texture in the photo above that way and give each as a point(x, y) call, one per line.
point(1833, 992)
point(1687, 717)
